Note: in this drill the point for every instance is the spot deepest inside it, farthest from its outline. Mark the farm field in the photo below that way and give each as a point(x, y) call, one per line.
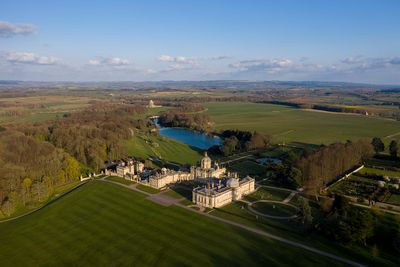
point(126, 229)
point(295, 125)
point(39, 108)
point(165, 148)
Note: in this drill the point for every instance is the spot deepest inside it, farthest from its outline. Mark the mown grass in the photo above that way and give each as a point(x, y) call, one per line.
point(289, 124)
point(107, 225)
point(120, 180)
point(147, 189)
point(247, 167)
point(292, 229)
point(268, 194)
point(161, 147)
point(380, 172)
point(274, 209)
point(20, 210)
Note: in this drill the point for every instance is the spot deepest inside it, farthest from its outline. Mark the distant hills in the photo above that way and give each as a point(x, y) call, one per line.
point(212, 84)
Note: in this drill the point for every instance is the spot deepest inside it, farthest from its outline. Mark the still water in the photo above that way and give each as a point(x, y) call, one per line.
point(192, 138)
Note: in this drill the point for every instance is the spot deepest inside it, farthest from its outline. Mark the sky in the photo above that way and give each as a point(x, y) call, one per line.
point(320, 40)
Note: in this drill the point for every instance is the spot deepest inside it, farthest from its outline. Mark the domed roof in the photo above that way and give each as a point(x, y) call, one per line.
point(206, 161)
point(232, 182)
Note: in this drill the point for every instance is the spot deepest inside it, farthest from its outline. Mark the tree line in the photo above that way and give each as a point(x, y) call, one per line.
point(187, 116)
point(36, 158)
point(324, 165)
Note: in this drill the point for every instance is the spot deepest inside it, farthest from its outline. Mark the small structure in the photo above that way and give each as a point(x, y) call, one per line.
point(151, 104)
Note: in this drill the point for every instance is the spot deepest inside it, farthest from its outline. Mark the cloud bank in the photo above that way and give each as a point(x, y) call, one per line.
point(8, 29)
point(30, 58)
point(111, 61)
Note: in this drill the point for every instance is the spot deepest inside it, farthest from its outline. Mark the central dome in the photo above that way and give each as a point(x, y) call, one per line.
point(206, 162)
point(232, 182)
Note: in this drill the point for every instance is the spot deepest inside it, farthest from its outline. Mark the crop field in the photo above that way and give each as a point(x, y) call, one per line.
point(157, 146)
point(39, 108)
point(108, 225)
point(287, 124)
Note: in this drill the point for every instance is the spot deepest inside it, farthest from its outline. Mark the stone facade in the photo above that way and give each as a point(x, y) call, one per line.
point(129, 169)
point(166, 177)
point(218, 196)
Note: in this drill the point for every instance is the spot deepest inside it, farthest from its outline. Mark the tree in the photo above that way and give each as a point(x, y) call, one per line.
point(378, 145)
point(340, 204)
point(393, 148)
point(229, 145)
point(26, 187)
point(305, 208)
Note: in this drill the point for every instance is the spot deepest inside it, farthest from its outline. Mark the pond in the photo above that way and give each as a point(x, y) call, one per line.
point(192, 138)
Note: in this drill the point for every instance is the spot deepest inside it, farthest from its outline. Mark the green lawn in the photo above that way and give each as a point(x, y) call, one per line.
point(268, 194)
point(107, 225)
point(389, 173)
point(120, 180)
point(289, 124)
point(291, 229)
point(147, 189)
point(274, 209)
point(394, 199)
point(157, 146)
point(247, 167)
point(31, 206)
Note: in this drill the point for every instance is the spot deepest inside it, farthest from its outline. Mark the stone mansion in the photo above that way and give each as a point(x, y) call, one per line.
point(218, 186)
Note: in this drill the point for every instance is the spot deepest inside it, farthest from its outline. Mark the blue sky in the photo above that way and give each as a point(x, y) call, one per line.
point(356, 41)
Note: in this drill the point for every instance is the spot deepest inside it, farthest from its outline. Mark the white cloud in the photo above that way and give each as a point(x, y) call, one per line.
point(177, 59)
point(263, 65)
point(111, 61)
point(220, 58)
point(8, 29)
point(30, 58)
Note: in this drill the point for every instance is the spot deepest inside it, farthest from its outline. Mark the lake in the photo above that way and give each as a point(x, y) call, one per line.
point(192, 138)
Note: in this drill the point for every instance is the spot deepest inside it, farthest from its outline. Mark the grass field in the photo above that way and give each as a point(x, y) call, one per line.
point(148, 189)
point(157, 146)
point(268, 194)
point(247, 167)
point(380, 172)
point(289, 124)
point(40, 108)
point(274, 209)
point(107, 225)
point(120, 180)
point(238, 212)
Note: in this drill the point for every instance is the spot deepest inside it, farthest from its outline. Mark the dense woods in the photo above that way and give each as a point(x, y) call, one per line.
point(188, 116)
point(322, 166)
point(237, 141)
point(30, 170)
point(36, 158)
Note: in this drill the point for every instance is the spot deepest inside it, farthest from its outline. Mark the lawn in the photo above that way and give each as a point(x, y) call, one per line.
point(247, 167)
point(120, 180)
point(288, 124)
point(145, 146)
point(389, 173)
point(147, 189)
point(107, 225)
point(268, 194)
point(394, 199)
point(291, 229)
point(274, 209)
